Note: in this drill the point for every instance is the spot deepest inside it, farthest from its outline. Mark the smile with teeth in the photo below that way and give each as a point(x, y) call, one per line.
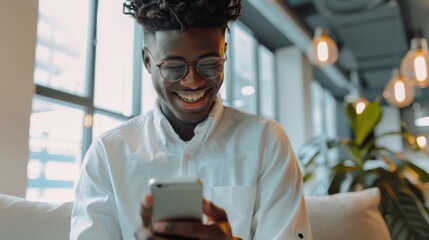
point(191, 97)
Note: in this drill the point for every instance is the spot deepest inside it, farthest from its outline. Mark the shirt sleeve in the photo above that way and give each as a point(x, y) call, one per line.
point(94, 214)
point(280, 211)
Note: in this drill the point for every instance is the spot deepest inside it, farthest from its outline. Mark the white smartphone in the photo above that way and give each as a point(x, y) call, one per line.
point(176, 199)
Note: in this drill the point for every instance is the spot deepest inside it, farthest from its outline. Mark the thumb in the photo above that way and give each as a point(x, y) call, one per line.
point(213, 212)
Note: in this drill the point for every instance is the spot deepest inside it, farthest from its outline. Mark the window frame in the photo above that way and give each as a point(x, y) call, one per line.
point(230, 73)
point(86, 102)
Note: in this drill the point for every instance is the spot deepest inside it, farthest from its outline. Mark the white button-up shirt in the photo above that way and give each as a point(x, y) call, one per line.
point(245, 162)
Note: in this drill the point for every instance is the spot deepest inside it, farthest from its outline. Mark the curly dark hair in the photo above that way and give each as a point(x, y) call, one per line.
point(159, 15)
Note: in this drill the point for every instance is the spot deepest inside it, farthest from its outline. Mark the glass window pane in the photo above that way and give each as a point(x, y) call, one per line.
point(61, 51)
point(244, 79)
point(149, 95)
point(114, 59)
point(103, 123)
point(330, 114)
point(55, 151)
point(267, 93)
point(317, 108)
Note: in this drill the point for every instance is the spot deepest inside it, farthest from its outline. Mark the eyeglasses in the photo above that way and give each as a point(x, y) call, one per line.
point(176, 70)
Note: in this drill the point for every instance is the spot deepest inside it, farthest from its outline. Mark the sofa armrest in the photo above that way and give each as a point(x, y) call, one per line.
point(22, 219)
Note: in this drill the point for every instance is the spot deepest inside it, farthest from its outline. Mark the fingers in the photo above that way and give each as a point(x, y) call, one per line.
point(194, 230)
point(213, 212)
point(218, 227)
point(146, 211)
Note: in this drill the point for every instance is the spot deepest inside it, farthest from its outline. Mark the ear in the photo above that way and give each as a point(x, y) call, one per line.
point(146, 60)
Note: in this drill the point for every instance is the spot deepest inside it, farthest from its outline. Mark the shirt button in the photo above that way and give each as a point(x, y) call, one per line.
point(187, 157)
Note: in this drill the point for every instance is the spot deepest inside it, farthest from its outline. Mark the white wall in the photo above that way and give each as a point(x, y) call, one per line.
point(18, 21)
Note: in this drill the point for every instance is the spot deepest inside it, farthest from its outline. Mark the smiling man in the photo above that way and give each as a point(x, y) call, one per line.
point(252, 184)
point(187, 72)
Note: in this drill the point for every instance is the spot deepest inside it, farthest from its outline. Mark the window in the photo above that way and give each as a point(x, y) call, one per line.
point(84, 87)
point(249, 83)
point(114, 59)
point(324, 123)
point(267, 84)
point(323, 111)
point(244, 78)
point(148, 92)
point(317, 108)
point(55, 150)
point(61, 52)
point(103, 122)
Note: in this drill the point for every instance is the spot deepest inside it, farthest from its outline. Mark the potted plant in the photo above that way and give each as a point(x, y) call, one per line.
point(399, 180)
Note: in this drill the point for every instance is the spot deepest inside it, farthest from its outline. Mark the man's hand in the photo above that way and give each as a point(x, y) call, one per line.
point(217, 227)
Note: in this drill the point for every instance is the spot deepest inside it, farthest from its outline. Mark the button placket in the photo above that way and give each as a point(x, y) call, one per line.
point(189, 160)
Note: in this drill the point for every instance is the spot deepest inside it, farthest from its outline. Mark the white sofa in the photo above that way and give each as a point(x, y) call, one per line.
point(352, 216)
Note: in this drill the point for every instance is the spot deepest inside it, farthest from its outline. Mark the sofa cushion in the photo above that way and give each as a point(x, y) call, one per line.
point(22, 219)
point(351, 216)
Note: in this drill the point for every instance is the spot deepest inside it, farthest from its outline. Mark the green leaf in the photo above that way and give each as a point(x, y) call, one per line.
point(311, 150)
point(370, 177)
point(423, 175)
point(339, 173)
point(351, 115)
point(363, 124)
point(392, 166)
point(356, 183)
point(395, 157)
point(337, 181)
point(354, 154)
point(307, 176)
point(402, 211)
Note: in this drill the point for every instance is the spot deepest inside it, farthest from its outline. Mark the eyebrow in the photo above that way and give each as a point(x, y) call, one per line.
point(172, 57)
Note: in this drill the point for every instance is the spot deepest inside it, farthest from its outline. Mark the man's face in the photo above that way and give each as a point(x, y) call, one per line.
point(189, 99)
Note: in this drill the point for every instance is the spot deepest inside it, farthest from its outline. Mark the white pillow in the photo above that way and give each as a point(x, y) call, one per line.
point(22, 219)
point(351, 216)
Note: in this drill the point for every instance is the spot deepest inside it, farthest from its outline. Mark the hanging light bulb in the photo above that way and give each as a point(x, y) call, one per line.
point(323, 49)
point(421, 141)
point(415, 65)
point(398, 92)
point(360, 105)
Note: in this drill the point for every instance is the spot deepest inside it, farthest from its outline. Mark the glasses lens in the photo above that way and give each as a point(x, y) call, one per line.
point(173, 70)
point(210, 67)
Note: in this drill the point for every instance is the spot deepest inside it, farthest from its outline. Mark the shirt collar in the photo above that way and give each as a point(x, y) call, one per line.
point(165, 131)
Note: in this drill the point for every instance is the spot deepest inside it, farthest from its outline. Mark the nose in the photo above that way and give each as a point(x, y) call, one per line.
point(192, 79)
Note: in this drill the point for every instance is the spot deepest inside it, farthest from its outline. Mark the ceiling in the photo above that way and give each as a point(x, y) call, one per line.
point(372, 36)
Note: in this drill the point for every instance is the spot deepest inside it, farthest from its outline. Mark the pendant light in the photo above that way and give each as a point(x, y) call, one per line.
point(422, 141)
point(398, 92)
point(415, 65)
point(323, 50)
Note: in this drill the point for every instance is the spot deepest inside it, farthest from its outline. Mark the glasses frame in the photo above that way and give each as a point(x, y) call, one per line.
point(187, 64)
